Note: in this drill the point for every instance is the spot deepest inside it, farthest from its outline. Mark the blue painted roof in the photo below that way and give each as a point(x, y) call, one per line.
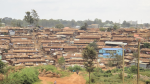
point(111, 48)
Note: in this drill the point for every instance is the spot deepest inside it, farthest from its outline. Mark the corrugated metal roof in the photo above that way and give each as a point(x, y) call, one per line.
point(117, 43)
point(111, 48)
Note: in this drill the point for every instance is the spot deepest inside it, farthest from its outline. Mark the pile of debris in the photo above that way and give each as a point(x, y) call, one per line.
point(45, 73)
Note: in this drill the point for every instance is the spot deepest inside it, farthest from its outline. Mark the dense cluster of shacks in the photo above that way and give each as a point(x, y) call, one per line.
point(32, 47)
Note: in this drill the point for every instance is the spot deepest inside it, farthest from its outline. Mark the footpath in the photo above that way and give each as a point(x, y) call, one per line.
point(73, 79)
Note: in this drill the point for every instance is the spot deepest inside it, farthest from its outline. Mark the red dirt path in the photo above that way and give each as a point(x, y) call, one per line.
point(73, 79)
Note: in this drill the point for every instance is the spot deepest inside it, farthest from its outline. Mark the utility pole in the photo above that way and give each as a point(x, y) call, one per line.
point(138, 61)
point(123, 65)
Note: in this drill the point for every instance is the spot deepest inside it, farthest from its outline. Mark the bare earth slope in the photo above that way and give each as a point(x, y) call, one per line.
point(73, 79)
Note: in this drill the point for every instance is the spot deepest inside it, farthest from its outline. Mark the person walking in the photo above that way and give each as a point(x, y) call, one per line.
point(55, 82)
point(77, 72)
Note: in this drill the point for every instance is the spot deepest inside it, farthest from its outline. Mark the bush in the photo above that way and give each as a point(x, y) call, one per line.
point(107, 74)
point(130, 76)
point(93, 78)
point(25, 76)
point(120, 75)
point(76, 67)
point(2, 65)
point(133, 69)
point(47, 68)
point(148, 82)
point(97, 74)
point(102, 29)
point(108, 71)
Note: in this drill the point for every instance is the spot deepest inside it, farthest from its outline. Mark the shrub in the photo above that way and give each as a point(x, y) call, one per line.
point(2, 65)
point(133, 69)
point(93, 78)
point(120, 75)
point(130, 76)
point(108, 71)
point(25, 76)
point(47, 68)
point(97, 74)
point(76, 67)
point(148, 82)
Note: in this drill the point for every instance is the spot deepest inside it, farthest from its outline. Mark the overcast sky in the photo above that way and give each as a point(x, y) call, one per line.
point(79, 9)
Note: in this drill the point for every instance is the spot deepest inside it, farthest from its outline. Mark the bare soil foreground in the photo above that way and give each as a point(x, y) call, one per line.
point(73, 79)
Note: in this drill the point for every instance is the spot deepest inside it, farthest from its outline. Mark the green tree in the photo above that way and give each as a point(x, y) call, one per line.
point(2, 65)
point(108, 29)
point(35, 17)
point(61, 61)
point(125, 24)
point(117, 59)
point(89, 55)
point(19, 24)
point(94, 45)
point(146, 45)
point(115, 27)
point(135, 55)
point(73, 23)
point(114, 59)
point(84, 27)
point(76, 67)
point(28, 18)
point(59, 26)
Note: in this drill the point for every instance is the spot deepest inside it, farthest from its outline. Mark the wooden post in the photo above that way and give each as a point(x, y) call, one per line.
point(138, 62)
point(123, 66)
point(89, 78)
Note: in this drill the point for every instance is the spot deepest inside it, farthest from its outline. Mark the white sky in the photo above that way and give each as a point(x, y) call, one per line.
point(79, 9)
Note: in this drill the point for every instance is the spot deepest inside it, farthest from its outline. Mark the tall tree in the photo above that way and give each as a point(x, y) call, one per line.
point(94, 45)
point(28, 18)
point(147, 25)
point(135, 55)
point(59, 26)
point(35, 17)
point(115, 27)
point(146, 45)
point(84, 27)
point(108, 29)
point(89, 55)
point(117, 59)
point(73, 23)
point(61, 61)
point(125, 24)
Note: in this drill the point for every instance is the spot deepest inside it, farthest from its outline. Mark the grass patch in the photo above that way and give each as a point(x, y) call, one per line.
point(38, 82)
point(49, 82)
point(106, 77)
point(147, 73)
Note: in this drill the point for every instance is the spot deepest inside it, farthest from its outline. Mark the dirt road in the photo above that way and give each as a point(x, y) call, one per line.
point(73, 79)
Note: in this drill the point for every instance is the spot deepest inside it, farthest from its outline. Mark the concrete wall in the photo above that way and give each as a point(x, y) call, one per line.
point(102, 51)
point(119, 52)
point(140, 65)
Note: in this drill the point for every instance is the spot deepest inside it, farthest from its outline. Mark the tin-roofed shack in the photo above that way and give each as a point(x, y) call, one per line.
point(89, 37)
point(4, 32)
